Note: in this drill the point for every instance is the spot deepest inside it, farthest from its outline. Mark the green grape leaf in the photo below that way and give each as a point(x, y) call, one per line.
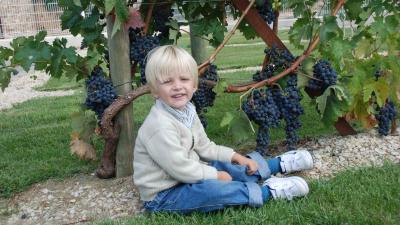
point(332, 104)
point(109, 6)
point(60, 57)
point(329, 29)
point(360, 110)
point(71, 19)
point(221, 86)
point(77, 3)
point(392, 23)
point(5, 54)
point(93, 58)
point(300, 30)
point(116, 27)
point(226, 120)
point(379, 27)
point(83, 123)
point(353, 9)
point(121, 10)
point(5, 77)
point(247, 31)
point(380, 88)
point(30, 52)
point(40, 35)
point(302, 80)
point(363, 48)
point(240, 127)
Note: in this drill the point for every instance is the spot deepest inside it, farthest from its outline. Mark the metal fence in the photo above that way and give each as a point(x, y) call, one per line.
point(27, 17)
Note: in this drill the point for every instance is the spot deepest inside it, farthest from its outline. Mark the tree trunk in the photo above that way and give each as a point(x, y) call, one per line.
point(121, 74)
point(198, 47)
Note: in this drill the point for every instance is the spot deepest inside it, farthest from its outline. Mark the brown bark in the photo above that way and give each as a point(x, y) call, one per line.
point(110, 131)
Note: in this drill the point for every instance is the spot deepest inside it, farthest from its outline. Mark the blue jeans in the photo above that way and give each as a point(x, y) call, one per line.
point(210, 195)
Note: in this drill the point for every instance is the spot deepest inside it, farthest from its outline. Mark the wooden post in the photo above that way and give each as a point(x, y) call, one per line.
point(198, 47)
point(121, 74)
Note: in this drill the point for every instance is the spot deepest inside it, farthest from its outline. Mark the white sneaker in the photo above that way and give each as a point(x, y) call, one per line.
point(296, 160)
point(287, 187)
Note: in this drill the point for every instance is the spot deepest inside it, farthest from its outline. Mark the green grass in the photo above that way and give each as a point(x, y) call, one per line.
point(358, 197)
point(62, 83)
point(34, 143)
point(237, 38)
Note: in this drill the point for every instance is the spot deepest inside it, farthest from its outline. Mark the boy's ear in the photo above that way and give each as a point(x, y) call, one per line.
point(154, 93)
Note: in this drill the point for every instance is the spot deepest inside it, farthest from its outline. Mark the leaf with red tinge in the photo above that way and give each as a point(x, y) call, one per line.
point(134, 20)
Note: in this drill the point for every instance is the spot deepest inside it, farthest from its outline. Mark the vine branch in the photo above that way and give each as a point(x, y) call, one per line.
point(148, 16)
point(292, 68)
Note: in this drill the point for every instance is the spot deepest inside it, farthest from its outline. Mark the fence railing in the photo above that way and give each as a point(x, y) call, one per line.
point(27, 17)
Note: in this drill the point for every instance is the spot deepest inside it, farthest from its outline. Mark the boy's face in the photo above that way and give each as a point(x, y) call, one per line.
point(176, 91)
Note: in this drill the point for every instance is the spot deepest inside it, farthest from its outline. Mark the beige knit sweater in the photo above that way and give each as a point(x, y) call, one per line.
point(167, 153)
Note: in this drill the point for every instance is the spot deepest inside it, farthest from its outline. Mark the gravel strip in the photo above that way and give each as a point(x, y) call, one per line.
point(21, 89)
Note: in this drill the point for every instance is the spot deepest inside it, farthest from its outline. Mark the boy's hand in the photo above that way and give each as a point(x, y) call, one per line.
point(222, 175)
point(252, 165)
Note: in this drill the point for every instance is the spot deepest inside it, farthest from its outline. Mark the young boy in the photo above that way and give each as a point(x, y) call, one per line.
point(178, 169)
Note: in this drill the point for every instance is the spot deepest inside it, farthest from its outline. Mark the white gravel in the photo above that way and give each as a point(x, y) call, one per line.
point(21, 89)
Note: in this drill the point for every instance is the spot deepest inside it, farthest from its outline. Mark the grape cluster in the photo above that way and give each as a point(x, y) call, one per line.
point(385, 116)
point(100, 92)
point(268, 107)
point(288, 101)
point(266, 12)
point(261, 108)
point(163, 15)
point(204, 96)
point(139, 47)
point(265, 73)
point(279, 59)
point(325, 74)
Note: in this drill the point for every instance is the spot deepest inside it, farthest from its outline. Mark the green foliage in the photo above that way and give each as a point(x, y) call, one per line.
point(372, 43)
point(333, 103)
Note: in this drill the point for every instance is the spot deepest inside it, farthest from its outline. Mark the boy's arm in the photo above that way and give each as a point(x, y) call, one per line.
point(208, 150)
point(165, 149)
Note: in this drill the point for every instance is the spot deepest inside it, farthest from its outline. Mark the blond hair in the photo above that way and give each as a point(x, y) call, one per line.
point(169, 60)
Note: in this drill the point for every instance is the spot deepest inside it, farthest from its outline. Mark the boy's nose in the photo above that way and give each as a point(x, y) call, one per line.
point(177, 85)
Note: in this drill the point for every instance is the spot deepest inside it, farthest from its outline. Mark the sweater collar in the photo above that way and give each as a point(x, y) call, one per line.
point(185, 116)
